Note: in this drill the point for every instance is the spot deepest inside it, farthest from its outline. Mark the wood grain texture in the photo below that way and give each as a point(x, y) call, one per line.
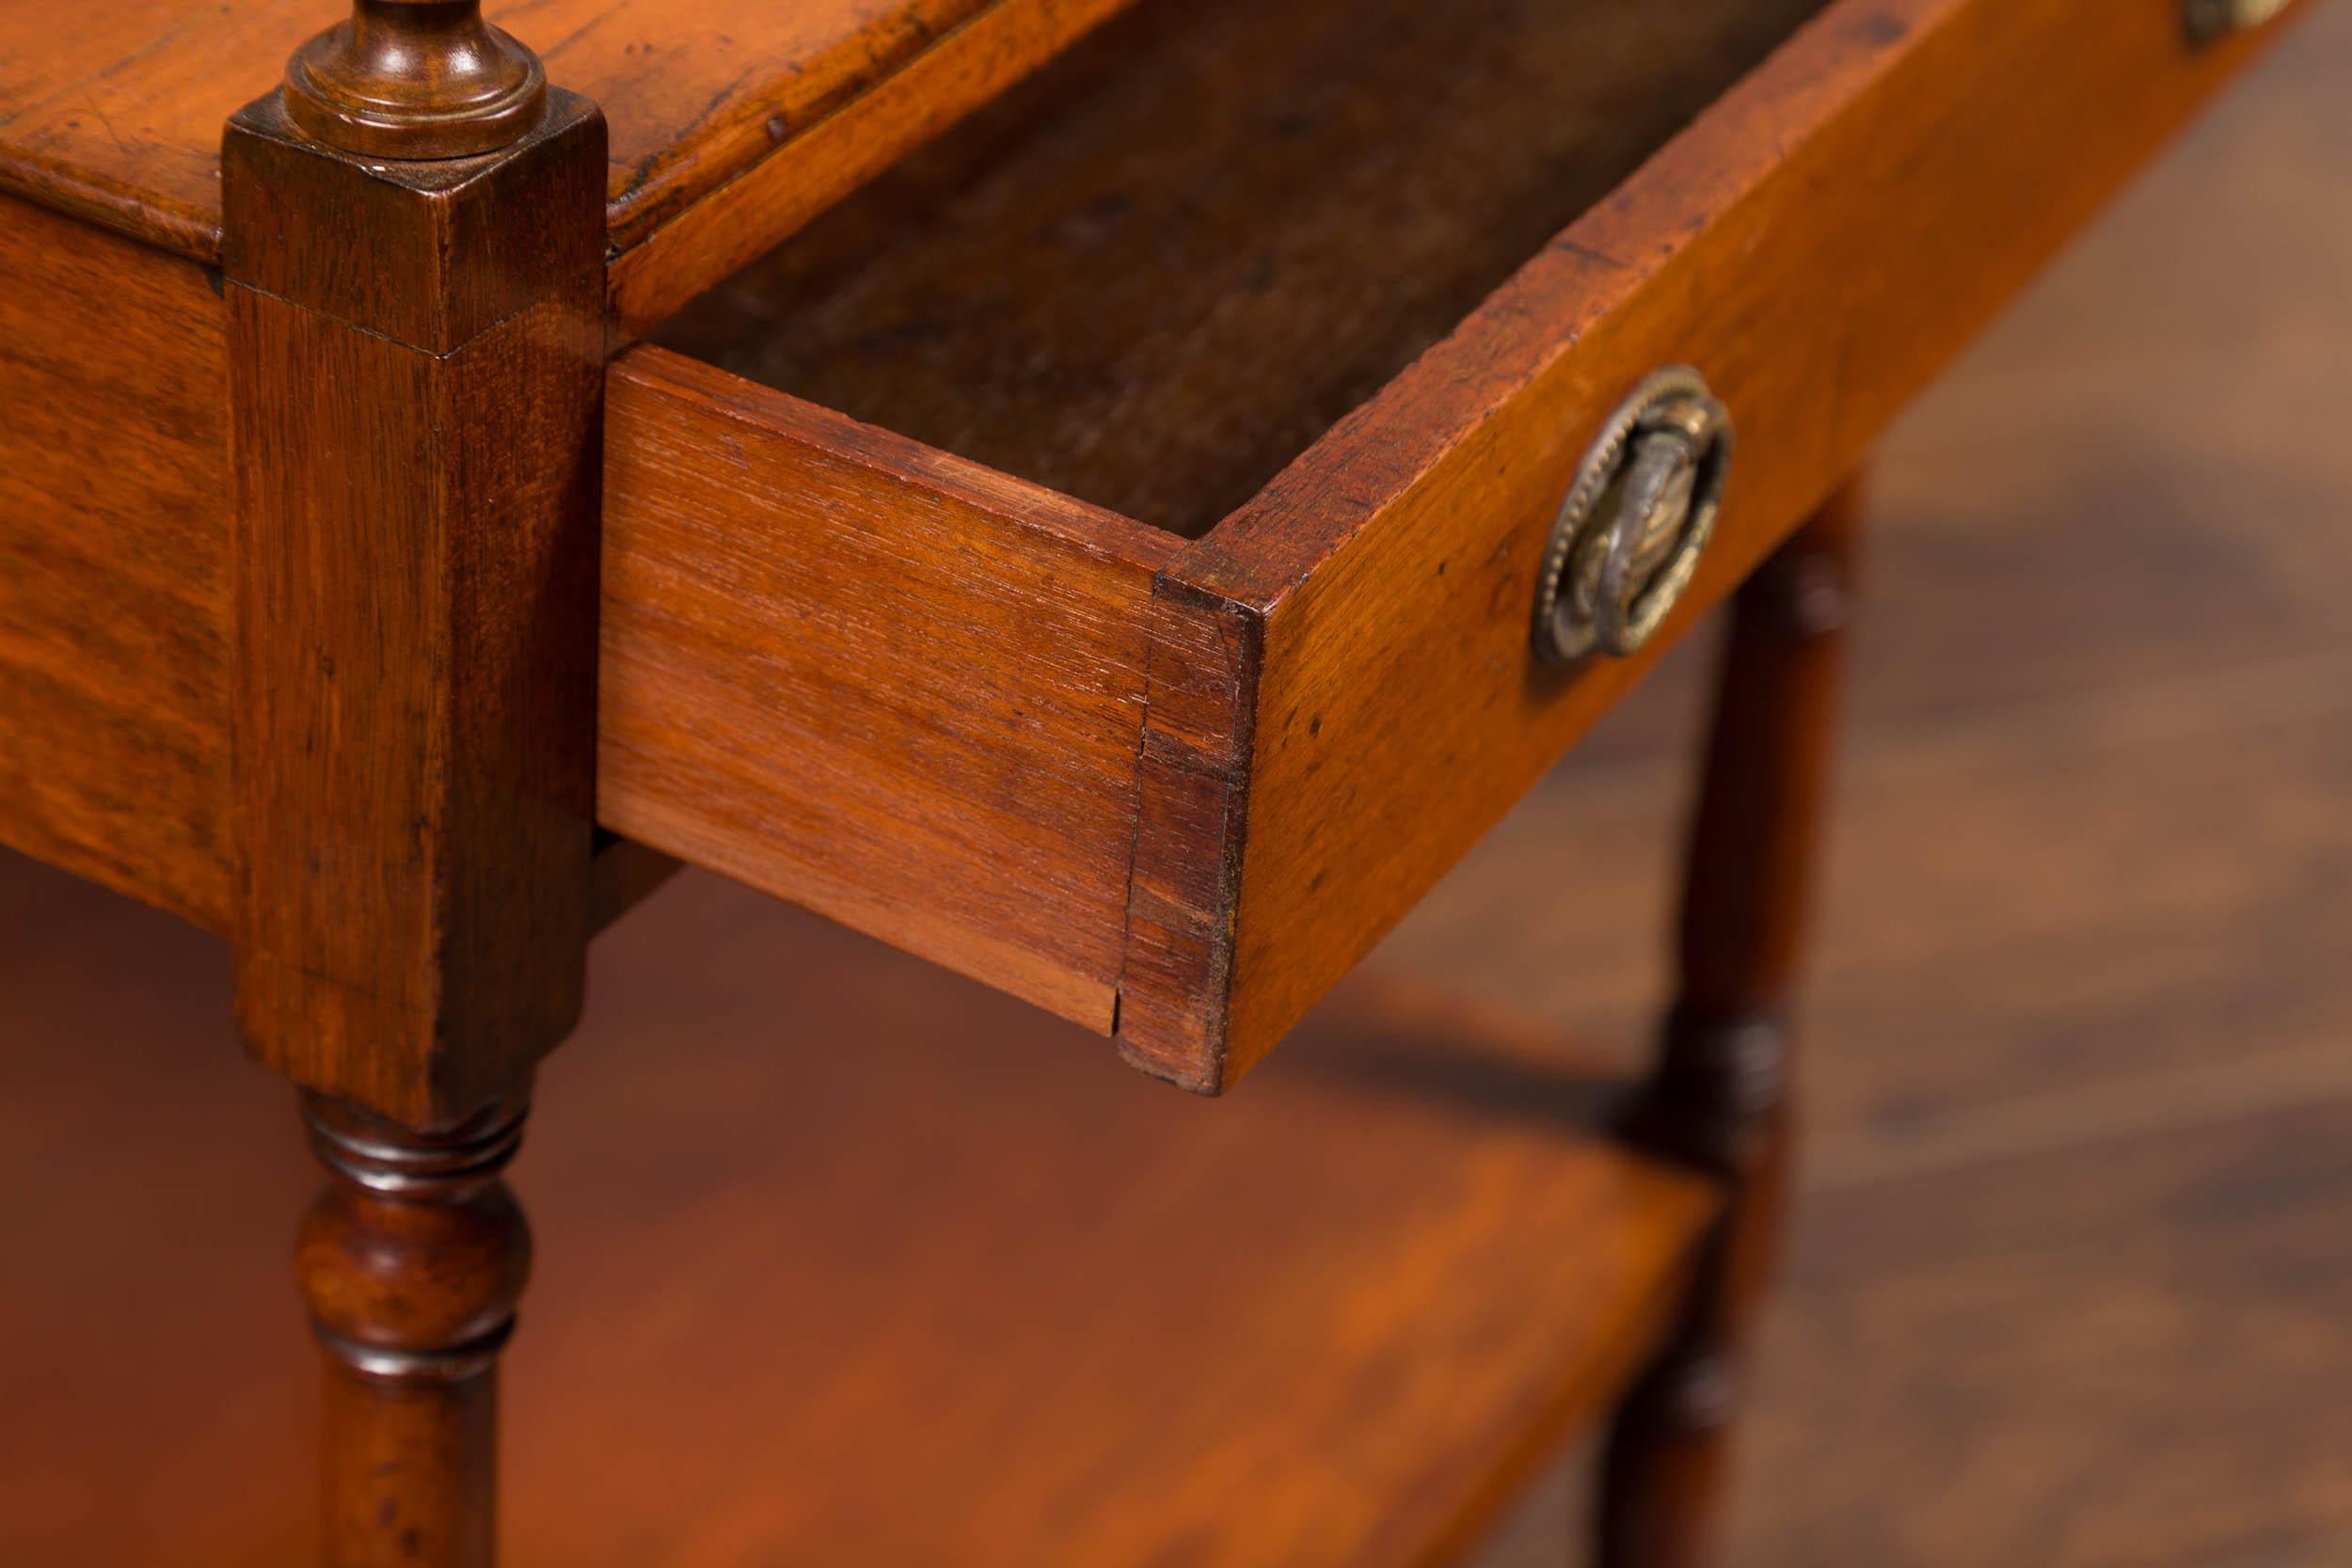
point(414, 702)
point(1190, 774)
point(411, 1260)
point(2069, 1277)
point(1796, 245)
point(114, 576)
point(1201, 327)
point(772, 109)
point(1721, 1096)
point(693, 229)
point(416, 356)
point(1368, 650)
point(1322, 1297)
point(1157, 273)
point(113, 573)
point(884, 683)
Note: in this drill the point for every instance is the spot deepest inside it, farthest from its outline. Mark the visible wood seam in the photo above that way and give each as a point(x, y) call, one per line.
point(617, 208)
point(418, 349)
point(103, 206)
point(1230, 774)
point(1134, 831)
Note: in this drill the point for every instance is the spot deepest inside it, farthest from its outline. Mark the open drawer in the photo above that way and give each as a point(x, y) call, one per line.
point(1101, 557)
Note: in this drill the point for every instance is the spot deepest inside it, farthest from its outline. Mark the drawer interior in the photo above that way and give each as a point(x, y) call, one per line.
point(1160, 271)
point(1161, 634)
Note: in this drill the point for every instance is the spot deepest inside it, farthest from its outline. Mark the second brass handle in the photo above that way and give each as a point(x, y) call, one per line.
point(2211, 19)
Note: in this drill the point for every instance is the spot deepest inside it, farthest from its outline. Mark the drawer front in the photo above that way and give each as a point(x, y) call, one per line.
point(1343, 691)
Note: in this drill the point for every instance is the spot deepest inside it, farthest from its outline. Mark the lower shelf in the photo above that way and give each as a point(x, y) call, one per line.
point(841, 1260)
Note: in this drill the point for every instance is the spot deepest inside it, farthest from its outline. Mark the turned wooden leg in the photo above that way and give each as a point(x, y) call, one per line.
point(412, 262)
point(1719, 1096)
point(411, 1260)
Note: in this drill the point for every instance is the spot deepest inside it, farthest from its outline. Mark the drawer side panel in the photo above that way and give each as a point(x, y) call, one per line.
point(900, 689)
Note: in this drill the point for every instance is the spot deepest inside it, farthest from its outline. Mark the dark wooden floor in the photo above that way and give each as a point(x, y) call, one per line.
point(2073, 1286)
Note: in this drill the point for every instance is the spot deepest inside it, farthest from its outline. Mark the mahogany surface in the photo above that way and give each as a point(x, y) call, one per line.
point(933, 686)
point(1341, 699)
point(413, 258)
point(775, 109)
point(1163, 268)
point(114, 562)
point(418, 447)
point(1721, 1096)
point(1796, 244)
point(455, 750)
point(1281, 828)
point(410, 1259)
point(859, 1264)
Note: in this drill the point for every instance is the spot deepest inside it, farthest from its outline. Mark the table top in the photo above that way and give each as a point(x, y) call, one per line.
point(118, 117)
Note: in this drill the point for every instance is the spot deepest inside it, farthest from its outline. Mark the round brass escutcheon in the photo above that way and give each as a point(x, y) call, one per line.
point(1630, 533)
point(2209, 20)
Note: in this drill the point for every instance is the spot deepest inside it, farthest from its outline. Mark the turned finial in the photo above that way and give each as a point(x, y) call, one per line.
point(415, 79)
point(414, 1253)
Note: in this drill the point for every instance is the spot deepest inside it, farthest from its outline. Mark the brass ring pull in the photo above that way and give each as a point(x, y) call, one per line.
point(2208, 20)
point(1628, 534)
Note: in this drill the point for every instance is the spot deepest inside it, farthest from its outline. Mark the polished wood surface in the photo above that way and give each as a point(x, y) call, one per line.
point(417, 446)
point(1373, 584)
point(754, 795)
point(764, 111)
point(858, 1232)
point(1795, 245)
point(1368, 706)
point(114, 604)
point(2133, 838)
point(2067, 1279)
point(2117, 1138)
point(1064, 289)
point(686, 229)
point(411, 1260)
point(1720, 1095)
point(1194, 762)
point(113, 570)
point(849, 670)
point(415, 79)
